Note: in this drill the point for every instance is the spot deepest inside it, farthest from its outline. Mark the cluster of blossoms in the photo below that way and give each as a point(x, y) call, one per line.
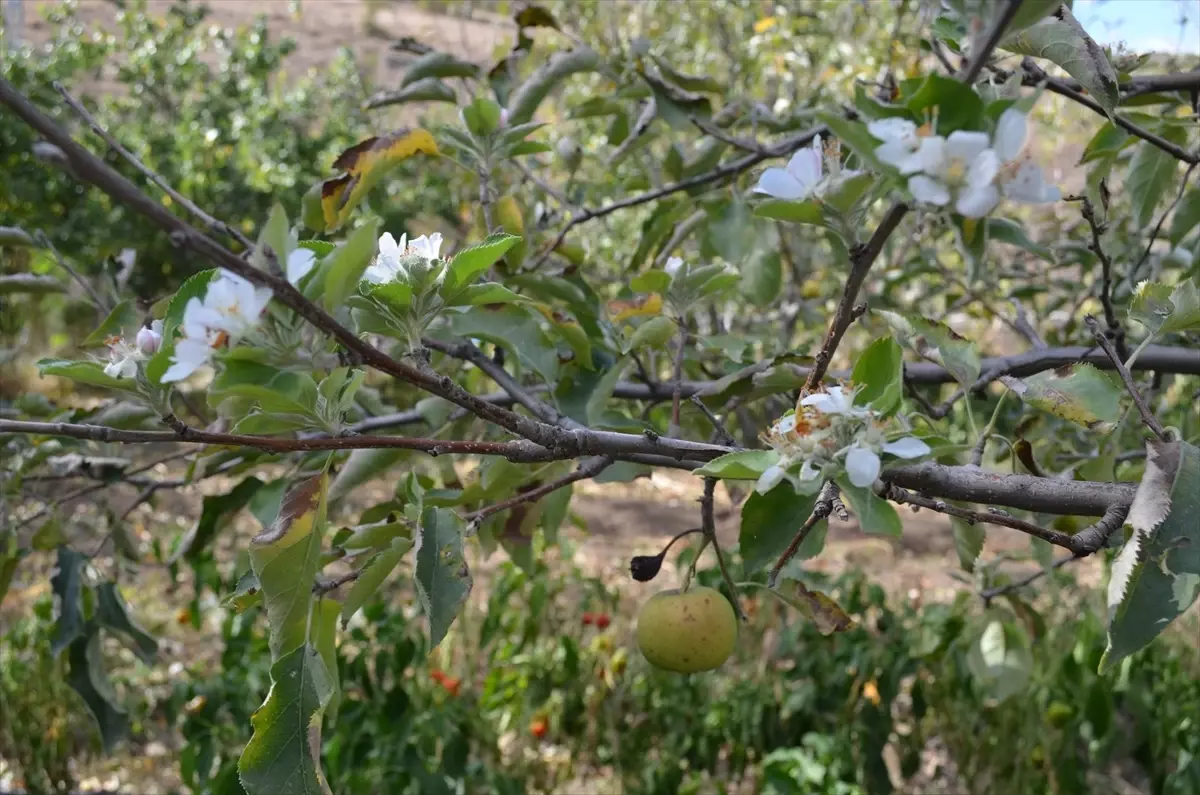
point(972, 169)
point(828, 430)
point(231, 308)
point(409, 263)
point(123, 358)
point(805, 174)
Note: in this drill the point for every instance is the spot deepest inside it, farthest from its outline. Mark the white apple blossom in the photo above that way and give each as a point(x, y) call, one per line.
point(835, 400)
point(299, 263)
point(673, 266)
point(863, 464)
point(799, 179)
point(966, 167)
point(231, 308)
point(390, 266)
point(124, 357)
point(772, 476)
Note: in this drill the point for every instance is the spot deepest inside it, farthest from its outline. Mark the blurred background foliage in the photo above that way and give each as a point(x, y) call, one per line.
point(537, 699)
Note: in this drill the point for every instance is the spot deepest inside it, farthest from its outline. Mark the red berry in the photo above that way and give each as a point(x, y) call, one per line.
point(602, 621)
point(539, 727)
point(587, 619)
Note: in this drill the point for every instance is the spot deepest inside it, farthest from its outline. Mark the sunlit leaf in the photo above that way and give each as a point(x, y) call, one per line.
point(283, 755)
point(653, 333)
point(90, 373)
point(937, 343)
point(1165, 310)
point(474, 260)
point(285, 558)
point(1156, 575)
point(442, 578)
point(879, 371)
point(1064, 42)
point(120, 322)
point(742, 465)
point(348, 262)
point(647, 306)
point(374, 572)
point(364, 165)
point(1079, 393)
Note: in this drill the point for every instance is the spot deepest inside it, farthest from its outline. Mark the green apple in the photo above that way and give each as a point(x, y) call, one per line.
point(687, 632)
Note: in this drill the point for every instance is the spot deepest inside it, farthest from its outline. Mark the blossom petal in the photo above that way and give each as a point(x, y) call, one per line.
point(190, 355)
point(822, 402)
point(388, 247)
point(805, 165)
point(808, 471)
point(908, 447)
point(862, 466)
point(928, 190)
point(673, 265)
point(1029, 187)
point(983, 169)
point(901, 155)
point(932, 155)
point(778, 183)
point(785, 425)
point(976, 202)
point(769, 479)
point(299, 263)
point(1011, 130)
point(966, 145)
point(894, 130)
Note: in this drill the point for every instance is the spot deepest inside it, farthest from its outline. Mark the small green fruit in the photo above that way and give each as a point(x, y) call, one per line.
point(687, 632)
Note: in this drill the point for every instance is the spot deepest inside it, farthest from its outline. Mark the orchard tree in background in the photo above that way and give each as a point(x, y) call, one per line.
point(531, 344)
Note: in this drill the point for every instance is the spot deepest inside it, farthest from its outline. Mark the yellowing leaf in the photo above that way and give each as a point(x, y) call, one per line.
point(827, 614)
point(764, 24)
point(1079, 393)
point(623, 310)
point(364, 165)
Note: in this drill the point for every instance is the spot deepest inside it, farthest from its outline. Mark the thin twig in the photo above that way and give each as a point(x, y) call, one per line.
point(902, 496)
point(991, 593)
point(722, 436)
point(1147, 416)
point(324, 586)
point(821, 510)
point(979, 59)
point(1115, 331)
point(213, 224)
point(586, 469)
point(977, 451)
point(1158, 227)
point(677, 384)
point(1059, 87)
point(709, 523)
point(861, 260)
point(44, 241)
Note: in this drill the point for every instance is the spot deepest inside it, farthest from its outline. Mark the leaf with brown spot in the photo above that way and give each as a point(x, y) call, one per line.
point(1079, 393)
point(820, 608)
point(365, 164)
point(646, 306)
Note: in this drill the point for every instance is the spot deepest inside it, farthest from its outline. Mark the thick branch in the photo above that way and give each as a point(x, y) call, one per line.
point(1024, 492)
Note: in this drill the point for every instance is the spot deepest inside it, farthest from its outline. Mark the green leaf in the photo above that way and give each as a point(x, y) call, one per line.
point(91, 373)
point(1151, 176)
point(113, 614)
point(87, 677)
point(66, 583)
point(195, 287)
point(762, 277)
point(1187, 216)
point(675, 105)
point(808, 211)
point(1014, 234)
point(1156, 575)
point(119, 323)
point(655, 332)
point(273, 235)
point(487, 294)
point(474, 260)
point(283, 755)
point(688, 82)
point(598, 399)
point(442, 578)
point(660, 224)
point(879, 371)
point(285, 558)
point(742, 465)
point(958, 106)
point(374, 572)
point(216, 513)
point(514, 328)
point(246, 594)
point(937, 343)
point(525, 100)
point(346, 264)
point(1109, 140)
point(1000, 660)
point(10, 556)
point(438, 64)
point(1032, 11)
point(322, 633)
point(1164, 310)
point(875, 514)
point(429, 89)
point(1065, 43)
point(968, 541)
point(363, 466)
point(1078, 392)
point(769, 523)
